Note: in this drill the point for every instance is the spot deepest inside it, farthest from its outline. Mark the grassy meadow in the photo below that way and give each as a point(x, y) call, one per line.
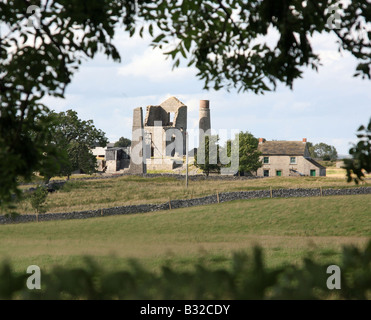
point(78, 195)
point(288, 230)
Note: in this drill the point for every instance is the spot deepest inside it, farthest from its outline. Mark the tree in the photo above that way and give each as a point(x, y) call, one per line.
point(311, 149)
point(40, 59)
point(207, 156)
point(361, 156)
point(323, 151)
point(38, 199)
point(227, 41)
point(42, 44)
point(249, 156)
point(123, 142)
point(74, 138)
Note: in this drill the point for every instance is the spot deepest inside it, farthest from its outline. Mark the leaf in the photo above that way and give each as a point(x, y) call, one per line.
point(159, 38)
point(187, 43)
point(361, 128)
point(176, 64)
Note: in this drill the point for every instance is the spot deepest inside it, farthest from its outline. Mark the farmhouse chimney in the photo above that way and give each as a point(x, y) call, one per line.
point(261, 140)
point(304, 140)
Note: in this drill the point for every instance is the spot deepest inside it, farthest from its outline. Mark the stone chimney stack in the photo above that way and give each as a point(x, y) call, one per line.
point(204, 120)
point(261, 140)
point(304, 140)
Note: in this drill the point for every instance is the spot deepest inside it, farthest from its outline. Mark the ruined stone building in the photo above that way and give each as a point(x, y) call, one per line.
point(165, 128)
point(161, 135)
point(158, 139)
point(287, 158)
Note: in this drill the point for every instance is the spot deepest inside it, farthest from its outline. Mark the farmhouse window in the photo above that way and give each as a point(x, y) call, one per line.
point(292, 160)
point(266, 160)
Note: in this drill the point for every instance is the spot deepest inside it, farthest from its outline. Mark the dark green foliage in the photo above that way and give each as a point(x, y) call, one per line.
point(227, 40)
point(361, 155)
point(73, 138)
point(248, 278)
point(123, 142)
point(23, 148)
point(249, 156)
point(40, 60)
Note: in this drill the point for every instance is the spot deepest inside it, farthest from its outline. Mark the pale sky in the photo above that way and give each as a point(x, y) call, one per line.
point(325, 106)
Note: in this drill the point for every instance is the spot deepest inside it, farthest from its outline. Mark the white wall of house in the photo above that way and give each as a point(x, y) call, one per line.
point(288, 166)
point(98, 151)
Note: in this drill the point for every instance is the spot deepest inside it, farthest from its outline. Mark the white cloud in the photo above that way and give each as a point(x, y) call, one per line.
point(153, 65)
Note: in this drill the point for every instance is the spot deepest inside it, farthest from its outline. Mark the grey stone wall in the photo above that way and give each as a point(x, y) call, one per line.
point(174, 204)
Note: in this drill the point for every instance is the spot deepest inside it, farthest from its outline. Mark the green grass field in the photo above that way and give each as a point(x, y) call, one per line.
point(287, 229)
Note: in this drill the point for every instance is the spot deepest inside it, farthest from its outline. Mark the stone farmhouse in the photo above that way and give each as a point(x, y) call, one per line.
point(287, 158)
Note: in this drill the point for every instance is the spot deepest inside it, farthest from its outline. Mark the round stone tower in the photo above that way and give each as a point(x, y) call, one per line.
point(204, 121)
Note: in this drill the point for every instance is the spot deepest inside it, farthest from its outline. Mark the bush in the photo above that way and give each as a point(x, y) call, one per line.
point(248, 278)
point(38, 199)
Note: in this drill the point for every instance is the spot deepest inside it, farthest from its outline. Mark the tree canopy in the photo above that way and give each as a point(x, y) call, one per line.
point(323, 151)
point(249, 156)
point(232, 43)
point(123, 142)
point(74, 138)
point(42, 44)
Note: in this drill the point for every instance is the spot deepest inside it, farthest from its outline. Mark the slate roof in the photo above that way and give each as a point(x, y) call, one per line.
point(315, 163)
point(289, 148)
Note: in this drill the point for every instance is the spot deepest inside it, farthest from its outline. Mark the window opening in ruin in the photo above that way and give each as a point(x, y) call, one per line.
point(171, 118)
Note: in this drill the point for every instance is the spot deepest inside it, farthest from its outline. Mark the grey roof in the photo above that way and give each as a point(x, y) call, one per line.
point(315, 163)
point(289, 148)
